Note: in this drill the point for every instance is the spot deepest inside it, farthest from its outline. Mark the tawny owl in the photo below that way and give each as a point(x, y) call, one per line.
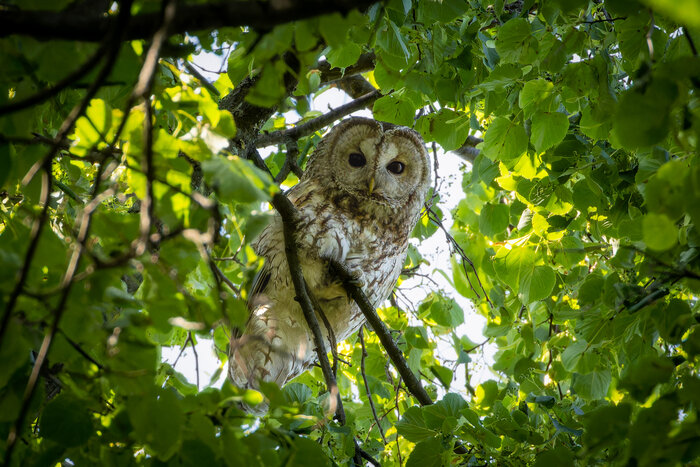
point(359, 199)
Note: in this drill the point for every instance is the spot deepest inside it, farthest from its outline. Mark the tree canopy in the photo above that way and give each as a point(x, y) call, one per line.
point(131, 187)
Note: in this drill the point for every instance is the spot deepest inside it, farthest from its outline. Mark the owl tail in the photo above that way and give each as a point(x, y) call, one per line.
point(263, 354)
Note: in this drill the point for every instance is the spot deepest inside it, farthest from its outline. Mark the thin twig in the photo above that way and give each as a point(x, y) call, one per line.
point(604, 20)
point(196, 358)
point(223, 277)
point(650, 32)
point(80, 350)
point(364, 378)
point(457, 248)
point(194, 72)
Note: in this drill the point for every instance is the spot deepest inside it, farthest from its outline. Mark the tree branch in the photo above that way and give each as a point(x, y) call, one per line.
point(289, 219)
point(364, 63)
point(355, 86)
point(467, 151)
point(412, 383)
point(318, 122)
point(70, 25)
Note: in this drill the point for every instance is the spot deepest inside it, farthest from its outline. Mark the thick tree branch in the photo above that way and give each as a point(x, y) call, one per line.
point(467, 151)
point(69, 25)
point(318, 122)
point(355, 86)
point(289, 218)
point(364, 63)
point(412, 383)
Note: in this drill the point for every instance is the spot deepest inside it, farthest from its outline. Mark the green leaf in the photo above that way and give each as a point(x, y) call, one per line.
point(236, 180)
point(535, 95)
point(548, 129)
point(5, 163)
point(394, 109)
point(513, 42)
point(606, 426)
point(572, 354)
point(93, 128)
point(512, 265)
point(666, 191)
point(444, 375)
point(595, 122)
point(493, 219)
point(417, 337)
point(684, 11)
point(449, 406)
point(592, 386)
point(334, 29)
point(67, 421)
point(504, 140)
point(642, 119)
point(297, 392)
point(644, 374)
point(412, 426)
point(269, 89)
point(446, 127)
point(555, 457)
point(158, 421)
point(426, 454)
point(659, 233)
point(307, 453)
point(344, 55)
point(305, 35)
point(14, 351)
point(537, 285)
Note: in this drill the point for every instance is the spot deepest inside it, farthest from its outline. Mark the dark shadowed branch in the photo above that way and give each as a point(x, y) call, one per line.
point(412, 383)
point(71, 25)
point(363, 64)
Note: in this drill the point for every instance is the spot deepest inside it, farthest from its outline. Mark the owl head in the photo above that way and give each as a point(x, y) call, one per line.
point(387, 168)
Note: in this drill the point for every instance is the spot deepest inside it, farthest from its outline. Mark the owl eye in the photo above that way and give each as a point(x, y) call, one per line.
point(357, 159)
point(396, 167)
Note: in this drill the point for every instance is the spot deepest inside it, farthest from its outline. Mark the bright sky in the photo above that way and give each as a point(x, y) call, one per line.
point(435, 250)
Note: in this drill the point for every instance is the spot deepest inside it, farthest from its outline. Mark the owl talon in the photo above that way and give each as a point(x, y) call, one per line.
point(358, 278)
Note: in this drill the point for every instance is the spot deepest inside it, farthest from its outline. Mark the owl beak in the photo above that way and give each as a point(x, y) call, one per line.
point(371, 185)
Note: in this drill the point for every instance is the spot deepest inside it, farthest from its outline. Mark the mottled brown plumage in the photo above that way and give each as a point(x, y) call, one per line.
point(359, 199)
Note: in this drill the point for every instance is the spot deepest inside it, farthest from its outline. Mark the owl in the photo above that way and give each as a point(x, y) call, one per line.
point(358, 200)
